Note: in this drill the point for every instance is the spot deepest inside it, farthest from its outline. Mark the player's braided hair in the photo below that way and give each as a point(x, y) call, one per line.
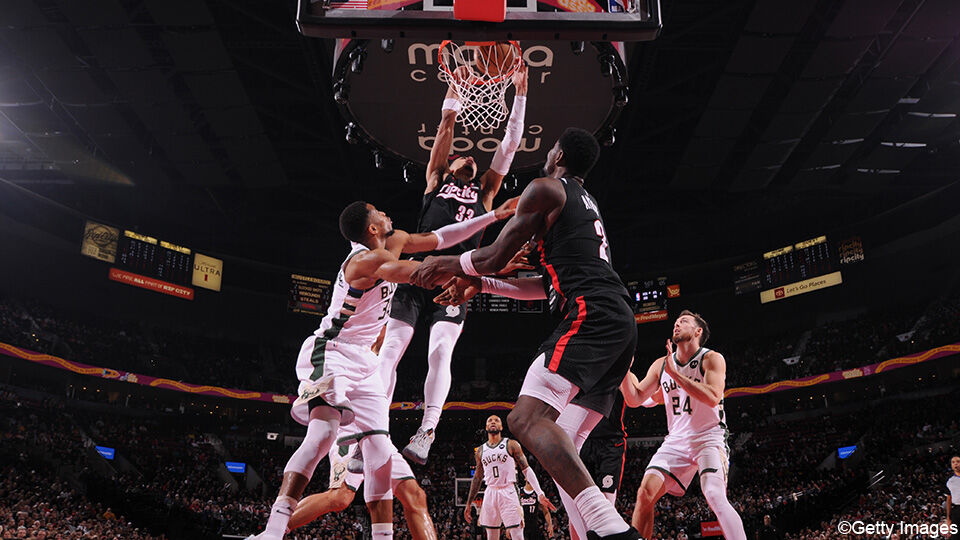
point(580, 150)
point(353, 221)
point(700, 323)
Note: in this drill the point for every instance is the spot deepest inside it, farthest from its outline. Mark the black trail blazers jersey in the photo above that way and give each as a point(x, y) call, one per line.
point(449, 203)
point(575, 253)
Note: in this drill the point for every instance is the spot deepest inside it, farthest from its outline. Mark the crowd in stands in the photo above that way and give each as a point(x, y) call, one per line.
point(169, 473)
point(867, 338)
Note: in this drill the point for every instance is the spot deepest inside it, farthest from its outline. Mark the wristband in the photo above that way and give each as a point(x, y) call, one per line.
point(452, 104)
point(466, 262)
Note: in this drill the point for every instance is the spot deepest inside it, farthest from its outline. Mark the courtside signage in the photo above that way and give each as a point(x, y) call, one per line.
point(710, 528)
point(651, 316)
point(151, 284)
point(801, 287)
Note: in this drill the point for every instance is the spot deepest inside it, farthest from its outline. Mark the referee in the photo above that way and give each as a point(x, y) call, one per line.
point(953, 496)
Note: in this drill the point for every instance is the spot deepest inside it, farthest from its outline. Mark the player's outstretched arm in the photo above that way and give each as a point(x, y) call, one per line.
point(539, 205)
point(452, 234)
point(366, 268)
point(710, 391)
point(474, 486)
point(513, 448)
point(491, 180)
point(437, 166)
point(635, 391)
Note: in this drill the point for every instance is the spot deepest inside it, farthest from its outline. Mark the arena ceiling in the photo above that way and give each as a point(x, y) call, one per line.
point(751, 123)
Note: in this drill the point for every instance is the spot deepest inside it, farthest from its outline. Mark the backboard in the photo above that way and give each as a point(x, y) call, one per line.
point(583, 20)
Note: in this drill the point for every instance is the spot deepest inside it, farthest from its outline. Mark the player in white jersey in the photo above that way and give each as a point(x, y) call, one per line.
point(339, 375)
point(690, 383)
point(343, 486)
point(497, 461)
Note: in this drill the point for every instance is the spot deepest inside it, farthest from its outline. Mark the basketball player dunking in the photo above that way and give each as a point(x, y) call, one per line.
point(497, 461)
point(339, 374)
point(453, 194)
point(589, 353)
point(691, 383)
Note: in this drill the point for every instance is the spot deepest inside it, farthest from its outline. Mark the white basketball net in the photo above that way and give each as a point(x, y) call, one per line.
point(480, 81)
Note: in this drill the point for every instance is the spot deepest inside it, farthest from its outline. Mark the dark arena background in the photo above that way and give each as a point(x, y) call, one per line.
point(172, 173)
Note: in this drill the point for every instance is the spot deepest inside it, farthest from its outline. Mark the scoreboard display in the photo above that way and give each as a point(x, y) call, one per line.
point(649, 299)
point(799, 268)
point(491, 303)
point(147, 256)
point(798, 262)
point(309, 295)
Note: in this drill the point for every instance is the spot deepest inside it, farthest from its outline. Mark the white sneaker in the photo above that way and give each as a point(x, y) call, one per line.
point(355, 465)
point(419, 446)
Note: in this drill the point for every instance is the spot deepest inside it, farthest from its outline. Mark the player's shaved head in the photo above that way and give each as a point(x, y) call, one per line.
point(354, 220)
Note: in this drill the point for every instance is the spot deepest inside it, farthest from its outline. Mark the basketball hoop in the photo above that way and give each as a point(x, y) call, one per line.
point(480, 73)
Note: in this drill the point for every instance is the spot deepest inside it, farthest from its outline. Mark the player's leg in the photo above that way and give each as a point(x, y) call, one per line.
point(543, 396)
point(515, 533)
point(713, 482)
point(577, 422)
point(413, 500)
point(340, 492)
point(445, 328)
point(395, 342)
point(404, 311)
point(371, 409)
point(381, 518)
point(652, 487)
point(436, 387)
point(493, 533)
point(313, 507)
point(321, 431)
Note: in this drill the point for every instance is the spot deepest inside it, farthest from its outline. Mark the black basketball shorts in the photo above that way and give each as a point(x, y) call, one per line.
point(411, 302)
point(604, 458)
point(592, 347)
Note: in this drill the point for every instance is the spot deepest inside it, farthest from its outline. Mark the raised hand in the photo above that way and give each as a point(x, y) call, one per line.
point(507, 209)
point(520, 79)
point(668, 365)
point(518, 262)
point(458, 290)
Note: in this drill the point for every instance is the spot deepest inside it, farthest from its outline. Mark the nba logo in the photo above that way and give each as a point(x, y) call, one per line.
point(778, 293)
point(618, 6)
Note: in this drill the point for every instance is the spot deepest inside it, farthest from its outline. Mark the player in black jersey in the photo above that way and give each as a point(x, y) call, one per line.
point(453, 193)
point(589, 353)
point(535, 515)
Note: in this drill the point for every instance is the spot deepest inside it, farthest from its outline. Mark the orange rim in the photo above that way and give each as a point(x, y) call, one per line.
point(518, 53)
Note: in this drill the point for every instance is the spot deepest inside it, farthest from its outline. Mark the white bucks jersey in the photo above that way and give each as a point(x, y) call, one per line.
point(499, 469)
point(356, 315)
point(687, 416)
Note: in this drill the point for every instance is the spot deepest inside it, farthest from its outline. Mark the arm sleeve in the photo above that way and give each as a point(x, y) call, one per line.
point(521, 289)
point(532, 478)
point(453, 234)
point(511, 138)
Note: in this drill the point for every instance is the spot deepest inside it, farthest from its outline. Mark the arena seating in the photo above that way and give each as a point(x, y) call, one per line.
point(833, 345)
point(165, 479)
